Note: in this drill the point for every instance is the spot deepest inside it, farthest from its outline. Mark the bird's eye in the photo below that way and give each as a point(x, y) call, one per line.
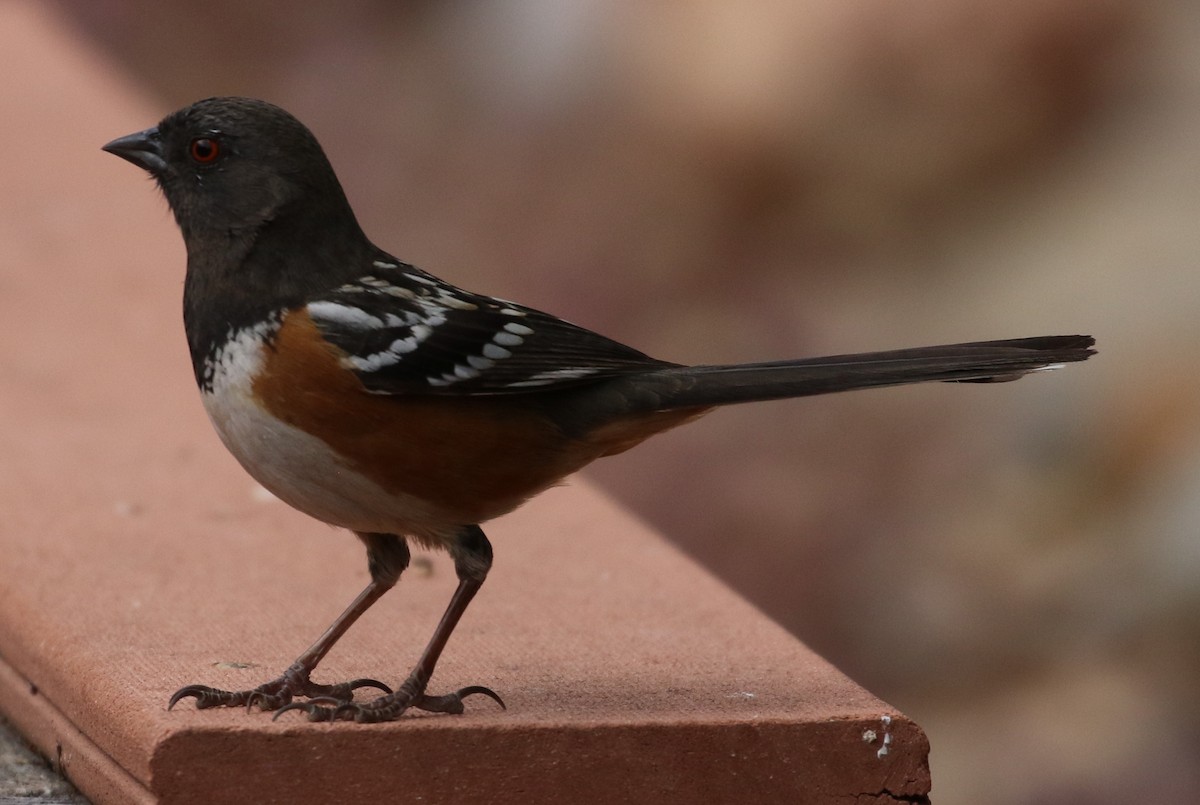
point(204, 150)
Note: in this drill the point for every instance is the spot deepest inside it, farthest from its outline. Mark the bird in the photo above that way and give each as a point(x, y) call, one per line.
point(374, 396)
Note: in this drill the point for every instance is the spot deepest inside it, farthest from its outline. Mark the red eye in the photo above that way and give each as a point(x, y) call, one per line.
point(205, 150)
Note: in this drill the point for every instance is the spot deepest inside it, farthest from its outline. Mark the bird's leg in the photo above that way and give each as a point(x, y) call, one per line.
point(472, 554)
point(387, 557)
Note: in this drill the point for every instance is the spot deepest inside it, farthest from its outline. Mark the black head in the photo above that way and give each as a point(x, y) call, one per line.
point(229, 165)
point(263, 216)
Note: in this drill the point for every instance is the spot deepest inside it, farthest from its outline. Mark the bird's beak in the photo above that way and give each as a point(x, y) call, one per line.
point(143, 149)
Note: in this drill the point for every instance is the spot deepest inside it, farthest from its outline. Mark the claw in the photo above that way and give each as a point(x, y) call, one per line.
point(268, 700)
point(452, 703)
point(334, 702)
point(348, 688)
point(182, 693)
point(480, 689)
point(288, 708)
point(325, 701)
point(313, 708)
point(277, 693)
point(205, 696)
point(391, 707)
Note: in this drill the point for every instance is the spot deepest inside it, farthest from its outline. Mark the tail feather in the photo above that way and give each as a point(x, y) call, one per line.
point(978, 362)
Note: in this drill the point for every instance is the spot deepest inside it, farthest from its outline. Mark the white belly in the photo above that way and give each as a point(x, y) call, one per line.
point(296, 467)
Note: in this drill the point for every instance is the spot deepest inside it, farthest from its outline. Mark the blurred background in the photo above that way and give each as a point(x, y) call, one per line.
point(1016, 567)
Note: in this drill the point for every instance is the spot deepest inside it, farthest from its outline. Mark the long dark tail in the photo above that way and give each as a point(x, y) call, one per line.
point(979, 362)
point(622, 411)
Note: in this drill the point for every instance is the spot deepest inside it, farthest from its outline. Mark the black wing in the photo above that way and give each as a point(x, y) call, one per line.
point(406, 331)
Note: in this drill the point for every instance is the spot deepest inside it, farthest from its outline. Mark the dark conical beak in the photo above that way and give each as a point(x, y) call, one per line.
point(143, 149)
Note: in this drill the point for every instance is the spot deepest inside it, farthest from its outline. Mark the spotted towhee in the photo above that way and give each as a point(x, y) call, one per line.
point(374, 396)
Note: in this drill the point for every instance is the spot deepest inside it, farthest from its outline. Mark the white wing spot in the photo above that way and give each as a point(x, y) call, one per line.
point(420, 279)
point(384, 264)
point(373, 363)
point(551, 375)
point(507, 339)
point(395, 290)
point(402, 346)
point(445, 380)
point(343, 314)
point(419, 329)
point(508, 308)
point(482, 364)
point(518, 329)
point(406, 319)
point(495, 352)
point(465, 372)
point(456, 302)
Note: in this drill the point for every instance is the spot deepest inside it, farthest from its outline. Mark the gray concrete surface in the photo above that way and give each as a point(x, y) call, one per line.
point(26, 778)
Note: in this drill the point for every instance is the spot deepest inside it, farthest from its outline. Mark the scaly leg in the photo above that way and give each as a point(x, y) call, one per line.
point(387, 557)
point(472, 554)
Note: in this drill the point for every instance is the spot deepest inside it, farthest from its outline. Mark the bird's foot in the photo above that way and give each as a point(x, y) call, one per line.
point(389, 707)
point(277, 693)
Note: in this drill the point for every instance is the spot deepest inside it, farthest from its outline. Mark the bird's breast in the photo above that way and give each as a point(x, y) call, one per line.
point(296, 466)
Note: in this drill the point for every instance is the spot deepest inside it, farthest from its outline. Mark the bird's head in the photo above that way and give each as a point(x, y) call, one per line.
point(227, 166)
